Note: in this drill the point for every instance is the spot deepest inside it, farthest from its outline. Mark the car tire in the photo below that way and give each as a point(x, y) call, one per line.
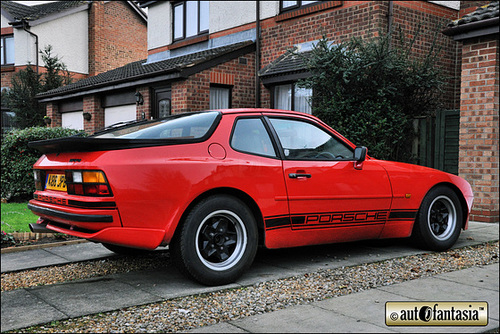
point(122, 250)
point(217, 241)
point(439, 220)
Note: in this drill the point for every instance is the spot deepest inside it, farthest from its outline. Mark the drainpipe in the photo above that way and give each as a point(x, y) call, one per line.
point(257, 55)
point(25, 25)
point(389, 22)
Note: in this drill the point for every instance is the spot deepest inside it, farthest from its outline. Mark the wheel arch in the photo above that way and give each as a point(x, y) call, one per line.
point(461, 198)
point(241, 195)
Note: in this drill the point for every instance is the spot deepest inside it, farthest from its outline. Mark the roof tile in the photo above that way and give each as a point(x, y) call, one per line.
point(20, 11)
point(289, 62)
point(141, 69)
point(482, 13)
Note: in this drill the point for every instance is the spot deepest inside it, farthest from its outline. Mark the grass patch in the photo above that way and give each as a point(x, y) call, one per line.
point(16, 217)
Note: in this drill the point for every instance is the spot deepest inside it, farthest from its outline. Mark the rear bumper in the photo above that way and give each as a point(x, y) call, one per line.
point(128, 237)
point(67, 216)
point(99, 225)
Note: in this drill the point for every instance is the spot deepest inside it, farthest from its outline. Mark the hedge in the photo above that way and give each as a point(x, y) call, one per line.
point(18, 159)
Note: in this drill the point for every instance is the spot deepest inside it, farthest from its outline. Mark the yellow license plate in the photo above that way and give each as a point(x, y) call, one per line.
point(56, 182)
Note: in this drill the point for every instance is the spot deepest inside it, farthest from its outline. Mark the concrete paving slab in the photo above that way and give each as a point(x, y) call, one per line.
point(305, 319)
point(367, 306)
point(480, 232)
point(435, 288)
point(29, 259)
point(261, 272)
point(223, 327)
point(445, 329)
point(306, 259)
point(81, 252)
point(21, 309)
point(445, 288)
point(53, 256)
point(486, 277)
point(92, 296)
point(168, 283)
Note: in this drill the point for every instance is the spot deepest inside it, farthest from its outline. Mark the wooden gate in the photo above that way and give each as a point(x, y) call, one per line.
point(436, 144)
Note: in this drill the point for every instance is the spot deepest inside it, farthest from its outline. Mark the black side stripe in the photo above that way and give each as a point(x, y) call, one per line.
point(278, 222)
point(403, 214)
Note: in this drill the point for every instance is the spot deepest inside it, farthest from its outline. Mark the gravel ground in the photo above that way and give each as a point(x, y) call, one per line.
point(83, 270)
point(207, 309)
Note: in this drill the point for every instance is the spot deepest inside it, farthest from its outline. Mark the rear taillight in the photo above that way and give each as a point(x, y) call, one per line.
point(87, 183)
point(39, 179)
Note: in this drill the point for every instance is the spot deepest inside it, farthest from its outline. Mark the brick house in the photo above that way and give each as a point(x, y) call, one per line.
point(476, 33)
point(91, 37)
point(219, 54)
point(254, 36)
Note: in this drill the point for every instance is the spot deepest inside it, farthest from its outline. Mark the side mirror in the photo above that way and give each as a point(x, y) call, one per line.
point(359, 156)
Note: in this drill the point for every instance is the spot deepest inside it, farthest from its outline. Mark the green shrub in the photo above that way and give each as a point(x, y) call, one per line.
point(7, 240)
point(18, 159)
point(371, 91)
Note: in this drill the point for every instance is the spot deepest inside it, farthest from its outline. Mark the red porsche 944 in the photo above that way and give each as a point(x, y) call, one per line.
point(215, 185)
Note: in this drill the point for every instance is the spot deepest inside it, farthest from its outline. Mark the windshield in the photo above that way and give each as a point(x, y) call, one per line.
point(185, 126)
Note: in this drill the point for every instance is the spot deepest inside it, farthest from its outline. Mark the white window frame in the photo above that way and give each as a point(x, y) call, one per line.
point(216, 92)
point(290, 5)
point(189, 23)
point(294, 99)
point(7, 50)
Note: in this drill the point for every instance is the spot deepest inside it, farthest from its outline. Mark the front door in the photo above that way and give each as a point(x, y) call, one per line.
point(163, 102)
point(330, 200)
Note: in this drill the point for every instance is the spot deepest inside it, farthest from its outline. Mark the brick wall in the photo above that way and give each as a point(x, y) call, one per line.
point(7, 74)
point(144, 108)
point(92, 105)
point(426, 20)
point(54, 115)
point(194, 93)
point(366, 19)
point(117, 36)
point(479, 130)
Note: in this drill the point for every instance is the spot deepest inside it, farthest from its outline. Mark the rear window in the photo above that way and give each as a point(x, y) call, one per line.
point(185, 126)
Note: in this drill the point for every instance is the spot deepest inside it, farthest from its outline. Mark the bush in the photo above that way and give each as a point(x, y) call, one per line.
point(18, 159)
point(371, 92)
point(7, 240)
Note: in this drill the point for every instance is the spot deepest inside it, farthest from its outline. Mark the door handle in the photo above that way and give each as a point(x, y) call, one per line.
point(299, 175)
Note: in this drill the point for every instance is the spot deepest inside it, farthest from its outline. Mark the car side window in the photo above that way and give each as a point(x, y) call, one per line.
point(251, 136)
point(304, 141)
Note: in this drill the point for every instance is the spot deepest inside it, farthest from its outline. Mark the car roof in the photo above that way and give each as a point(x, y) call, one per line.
point(261, 110)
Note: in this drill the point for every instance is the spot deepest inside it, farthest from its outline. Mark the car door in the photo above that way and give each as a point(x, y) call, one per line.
point(329, 199)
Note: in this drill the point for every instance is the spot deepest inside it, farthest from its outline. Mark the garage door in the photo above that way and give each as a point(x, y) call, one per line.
point(118, 114)
point(72, 120)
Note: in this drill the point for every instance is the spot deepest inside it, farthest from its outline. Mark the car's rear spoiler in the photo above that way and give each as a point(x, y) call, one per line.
point(86, 144)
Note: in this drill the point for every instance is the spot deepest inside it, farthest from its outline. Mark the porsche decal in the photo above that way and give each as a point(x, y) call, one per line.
point(337, 219)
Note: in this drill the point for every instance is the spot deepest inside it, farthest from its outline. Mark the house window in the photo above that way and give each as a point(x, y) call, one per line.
point(289, 5)
point(190, 19)
point(291, 97)
point(220, 97)
point(7, 50)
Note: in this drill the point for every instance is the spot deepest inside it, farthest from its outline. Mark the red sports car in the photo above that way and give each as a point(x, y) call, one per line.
point(214, 185)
